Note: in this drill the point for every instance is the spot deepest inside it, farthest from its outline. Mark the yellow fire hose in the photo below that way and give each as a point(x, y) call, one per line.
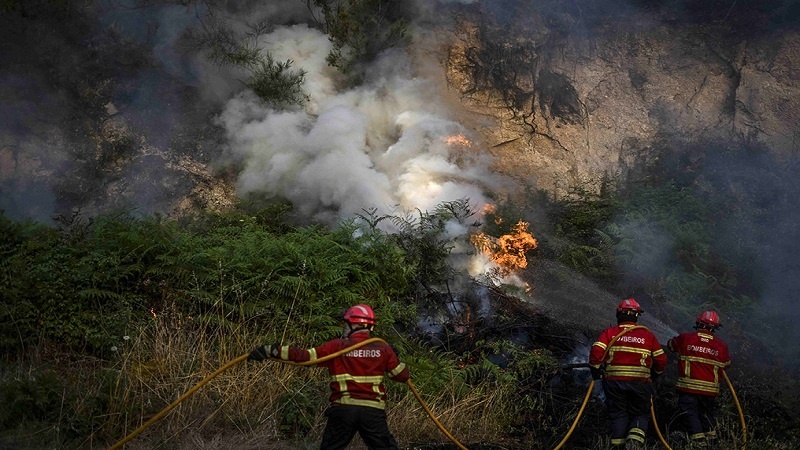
point(655, 425)
point(738, 407)
point(652, 408)
point(589, 394)
point(183, 397)
point(430, 414)
point(422, 402)
point(241, 358)
point(578, 417)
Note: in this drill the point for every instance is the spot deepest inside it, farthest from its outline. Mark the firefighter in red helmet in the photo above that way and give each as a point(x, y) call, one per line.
point(358, 393)
point(701, 359)
point(627, 368)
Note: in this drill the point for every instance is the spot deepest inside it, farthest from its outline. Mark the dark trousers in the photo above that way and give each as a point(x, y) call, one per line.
point(628, 407)
point(345, 420)
point(699, 413)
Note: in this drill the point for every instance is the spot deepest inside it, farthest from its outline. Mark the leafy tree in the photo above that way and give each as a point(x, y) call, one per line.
point(360, 29)
point(275, 82)
point(427, 246)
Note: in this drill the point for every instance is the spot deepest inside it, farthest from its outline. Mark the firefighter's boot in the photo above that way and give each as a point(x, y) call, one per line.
point(635, 439)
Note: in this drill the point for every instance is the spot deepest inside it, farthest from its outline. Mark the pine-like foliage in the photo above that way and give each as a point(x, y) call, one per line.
point(274, 82)
point(361, 29)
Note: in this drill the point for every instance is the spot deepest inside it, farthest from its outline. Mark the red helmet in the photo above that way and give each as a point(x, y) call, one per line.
point(360, 314)
point(710, 318)
point(629, 305)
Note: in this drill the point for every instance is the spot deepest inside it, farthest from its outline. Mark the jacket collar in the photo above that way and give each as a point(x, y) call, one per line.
point(705, 334)
point(359, 335)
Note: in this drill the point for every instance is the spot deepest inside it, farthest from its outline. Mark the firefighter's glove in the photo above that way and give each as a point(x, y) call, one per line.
point(597, 373)
point(263, 352)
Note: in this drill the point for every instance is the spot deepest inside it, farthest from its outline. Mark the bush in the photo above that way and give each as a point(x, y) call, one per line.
point(361, 29)
point(85, 284)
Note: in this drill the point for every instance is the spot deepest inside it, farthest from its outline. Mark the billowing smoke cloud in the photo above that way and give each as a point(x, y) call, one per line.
point(382, 145)
point(145, 102)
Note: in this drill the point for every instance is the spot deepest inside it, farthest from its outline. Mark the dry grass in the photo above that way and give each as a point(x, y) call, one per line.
point(245, 407)
point(171, 355)
point(241, 407)
point(472, 418)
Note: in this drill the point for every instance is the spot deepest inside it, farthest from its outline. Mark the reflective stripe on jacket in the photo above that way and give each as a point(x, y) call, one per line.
point(701, 356)
point(632, 356)
point(357, 376)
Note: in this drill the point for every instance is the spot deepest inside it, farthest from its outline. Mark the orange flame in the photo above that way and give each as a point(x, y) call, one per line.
point(492, 209)
point(458, 139)
point(509, 250)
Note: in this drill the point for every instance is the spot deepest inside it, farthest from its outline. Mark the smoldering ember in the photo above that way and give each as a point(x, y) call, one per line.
point(483, 224)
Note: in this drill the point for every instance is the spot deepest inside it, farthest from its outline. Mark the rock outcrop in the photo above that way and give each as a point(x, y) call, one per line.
point(604, 103)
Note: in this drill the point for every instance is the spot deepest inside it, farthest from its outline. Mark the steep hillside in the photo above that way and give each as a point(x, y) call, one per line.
point(92, 118)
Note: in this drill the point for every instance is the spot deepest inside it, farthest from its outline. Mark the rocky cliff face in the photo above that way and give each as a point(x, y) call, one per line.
point(573, 102)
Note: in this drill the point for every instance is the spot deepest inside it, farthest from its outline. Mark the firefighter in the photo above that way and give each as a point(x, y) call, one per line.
point(358, 393)
point(701, 358)
point(627, 368)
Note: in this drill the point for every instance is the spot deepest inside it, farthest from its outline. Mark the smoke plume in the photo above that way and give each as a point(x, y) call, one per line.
point(381, 145)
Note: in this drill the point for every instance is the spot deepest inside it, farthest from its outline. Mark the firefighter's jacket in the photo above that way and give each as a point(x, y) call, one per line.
point(632, 356)
point(701, 357)
point(357, 376)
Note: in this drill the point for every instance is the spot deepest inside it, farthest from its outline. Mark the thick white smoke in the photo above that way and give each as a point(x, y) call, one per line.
point(382, 145)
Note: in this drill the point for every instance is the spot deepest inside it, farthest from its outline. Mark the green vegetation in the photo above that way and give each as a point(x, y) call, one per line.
point(657, 239)
point(360, 29)
point(132, 311)
point(275, 83)
point(81, 286)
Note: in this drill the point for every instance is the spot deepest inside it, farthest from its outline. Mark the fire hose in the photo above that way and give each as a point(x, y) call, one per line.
point(589, 394)
point(652, 408)
point(583, 406)
point(422, 402)
point(241, 358)
point(738, 408)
